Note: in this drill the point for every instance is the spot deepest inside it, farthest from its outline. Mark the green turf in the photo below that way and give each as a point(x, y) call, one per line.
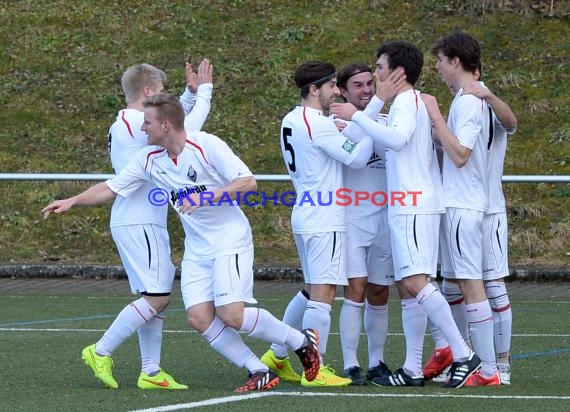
point(45, 372)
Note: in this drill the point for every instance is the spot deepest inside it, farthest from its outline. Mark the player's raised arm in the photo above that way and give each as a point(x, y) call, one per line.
point(501, 109)
point(95, 195)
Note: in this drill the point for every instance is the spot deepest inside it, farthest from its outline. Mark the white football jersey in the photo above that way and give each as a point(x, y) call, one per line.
point(314, 152)
point(497, 149)
point(126, 139)
point(467, 187)
point(413, 169)
point(370, 180)
point(206, 164)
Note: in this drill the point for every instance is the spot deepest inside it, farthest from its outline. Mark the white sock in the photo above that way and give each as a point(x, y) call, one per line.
point(261, 324)
point(376, 327)
point(502, 316)
point(227, 342)
point(452, 294)
point(293, 317)
point(150, 343)
point(439, 314)
point(438, 338)
point(350, 325)
point(130, 319)
point(480, 320)
point(318, 316)
point(414, 322)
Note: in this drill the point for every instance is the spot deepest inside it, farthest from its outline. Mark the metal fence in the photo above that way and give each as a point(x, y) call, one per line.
point(258, 177)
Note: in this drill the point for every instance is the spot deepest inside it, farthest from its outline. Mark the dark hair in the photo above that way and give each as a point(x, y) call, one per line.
point(168, 107)
point(461, 45)
point(350, 70)
point(313, 72)
point(405, 55)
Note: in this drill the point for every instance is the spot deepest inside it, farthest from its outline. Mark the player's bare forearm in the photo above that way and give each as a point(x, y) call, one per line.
point(458, 153)
point(95, 195)
point(501, 109)
point(503, 112)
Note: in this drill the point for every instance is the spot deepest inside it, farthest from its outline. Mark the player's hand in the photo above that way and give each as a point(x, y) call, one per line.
point(189, 205)
point(344, 111)
point(58, 206)
point(205, 72)
point(475, 88)
point(191, 77)
point(432, 106)
point(388, 89)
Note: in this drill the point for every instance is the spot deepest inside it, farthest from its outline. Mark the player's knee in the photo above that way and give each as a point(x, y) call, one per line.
point(355, 291)
point(197, 322)
point(232, 320)
point(158, 302)
point(451, 292)
point(377, 295)
point(497, 295)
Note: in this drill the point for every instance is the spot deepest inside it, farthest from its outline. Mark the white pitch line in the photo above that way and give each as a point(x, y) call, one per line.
point(238, 398)
point(517, 335)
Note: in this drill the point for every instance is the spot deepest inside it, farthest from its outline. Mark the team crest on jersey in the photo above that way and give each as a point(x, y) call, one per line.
point(348, 146)
point(376, 162)
point(192, 175)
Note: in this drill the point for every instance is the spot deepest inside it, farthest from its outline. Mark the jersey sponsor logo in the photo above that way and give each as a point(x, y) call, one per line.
point(348, 146)
point(177, 197)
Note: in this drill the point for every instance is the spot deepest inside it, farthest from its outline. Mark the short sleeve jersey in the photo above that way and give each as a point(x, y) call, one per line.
point(467, 187)
point(206, 164)
point(497, 149)
point(413, 170)
point(314, 152)
point(126, 139)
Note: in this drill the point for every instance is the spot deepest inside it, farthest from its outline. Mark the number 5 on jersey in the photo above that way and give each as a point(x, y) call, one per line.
point(286, 132)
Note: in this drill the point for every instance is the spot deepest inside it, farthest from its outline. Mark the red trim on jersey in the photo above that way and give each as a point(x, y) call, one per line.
point(199, 148)
point(416, 96)
point(175, 161)
point(127, 124)
point(307, 123)
point(152, 153)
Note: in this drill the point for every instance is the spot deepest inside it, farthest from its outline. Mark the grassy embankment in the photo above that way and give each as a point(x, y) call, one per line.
point(61, 62)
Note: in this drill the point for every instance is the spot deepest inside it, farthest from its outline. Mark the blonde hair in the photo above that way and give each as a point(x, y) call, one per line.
point(139, 76)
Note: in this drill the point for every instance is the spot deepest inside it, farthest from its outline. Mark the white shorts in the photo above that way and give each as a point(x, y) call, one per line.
point(461, 241)
point(145, 253)
point(323, 257)
point(222, 280)
point(414, 244)
point(369, 251)
point(495, 250)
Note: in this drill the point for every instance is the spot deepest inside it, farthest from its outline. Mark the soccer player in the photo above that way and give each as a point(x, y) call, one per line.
point(414, 223)
point(369, 255)
point(495, 238)
point(139, 229)
point(202, 178)
point(464, 139)
point(314, 152)
point(495, 244)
